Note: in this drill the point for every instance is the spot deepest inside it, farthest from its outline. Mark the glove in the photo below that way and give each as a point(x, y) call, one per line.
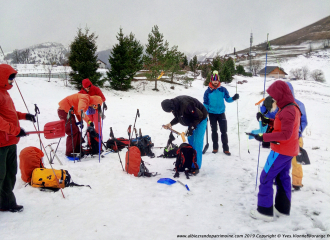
point(264, 120)
point(91, 123)
point(190, 131)
point(105, 107)
point(259, 137)
point(235, 97)
point(22, 133)
point(30, 117)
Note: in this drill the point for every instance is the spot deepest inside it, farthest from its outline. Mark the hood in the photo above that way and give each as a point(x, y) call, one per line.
point(5, 71)
point(280, 91)
point(86, 83)
point(168, 105)
point(291, 88)
point(95, 100)
point(212, 87)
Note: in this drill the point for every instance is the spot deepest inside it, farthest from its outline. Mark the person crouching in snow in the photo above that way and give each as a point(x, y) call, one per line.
point(79, 102)
point(191, 113)
point(91, 90)
point(214, 103)
point(284, 144)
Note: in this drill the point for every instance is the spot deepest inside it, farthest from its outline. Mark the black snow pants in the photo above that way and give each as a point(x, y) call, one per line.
point(220, 119)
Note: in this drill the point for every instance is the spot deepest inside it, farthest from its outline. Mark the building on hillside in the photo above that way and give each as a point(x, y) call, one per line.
point(273, 72)
point(101, 63)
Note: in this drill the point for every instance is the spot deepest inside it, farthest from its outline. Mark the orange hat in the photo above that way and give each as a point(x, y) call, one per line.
point(95, 100)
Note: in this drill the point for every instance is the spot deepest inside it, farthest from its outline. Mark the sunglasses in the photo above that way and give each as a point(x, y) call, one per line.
point(12, 77)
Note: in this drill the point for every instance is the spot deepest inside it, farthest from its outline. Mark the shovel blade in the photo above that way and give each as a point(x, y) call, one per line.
point(54, 129)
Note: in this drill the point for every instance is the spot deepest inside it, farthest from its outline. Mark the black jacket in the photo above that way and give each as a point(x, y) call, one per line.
point(188, 111)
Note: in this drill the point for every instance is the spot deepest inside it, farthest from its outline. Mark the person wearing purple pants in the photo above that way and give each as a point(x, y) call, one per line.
point(284, 144)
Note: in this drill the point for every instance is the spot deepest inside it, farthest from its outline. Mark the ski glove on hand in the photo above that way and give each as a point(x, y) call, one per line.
point(259, 137)
point(91, 123)
point(264, 120)
point(105, 107)
point(30, 117)
point(22, 133)
point(235, 97)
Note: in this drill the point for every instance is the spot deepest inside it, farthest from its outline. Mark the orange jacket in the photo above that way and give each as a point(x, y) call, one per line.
point(79, 102)
point(9, 124)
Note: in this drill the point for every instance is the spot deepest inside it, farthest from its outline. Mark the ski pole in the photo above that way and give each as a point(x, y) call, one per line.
point(36, 110)
point(239, 140)
point(52, 151)
point(129, 145)
point(98, 122)
point(74, 156)
point(137, 115)
point(207, 138)
point(113, 137)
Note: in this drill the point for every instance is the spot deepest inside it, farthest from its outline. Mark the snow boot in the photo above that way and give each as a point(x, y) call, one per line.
point(257, 215)
point(16, 208)
point(279, 214)
point(227, 153)
point(215, 151)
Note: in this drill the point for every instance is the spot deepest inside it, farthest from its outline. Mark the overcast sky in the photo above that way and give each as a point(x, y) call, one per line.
point(193, 25)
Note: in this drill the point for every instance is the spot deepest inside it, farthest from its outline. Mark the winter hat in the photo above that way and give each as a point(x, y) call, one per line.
point(95, 100)
point(215, 76)
point(86, 83)
point(168, 105)
point(268, 103)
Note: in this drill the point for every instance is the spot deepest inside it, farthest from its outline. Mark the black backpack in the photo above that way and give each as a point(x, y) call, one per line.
point(120, 142)
point(145, 144)
point(186, 161)
point(92, 142)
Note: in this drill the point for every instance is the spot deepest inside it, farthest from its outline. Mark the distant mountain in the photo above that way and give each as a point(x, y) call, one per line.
point(202, 55)
point(40, 53)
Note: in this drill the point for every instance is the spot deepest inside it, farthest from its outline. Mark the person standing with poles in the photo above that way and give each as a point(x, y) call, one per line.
point(10, 133)
point(214, 103)
point(284, 144)
point(191, 113)
point(78, 102)
point(91, 90)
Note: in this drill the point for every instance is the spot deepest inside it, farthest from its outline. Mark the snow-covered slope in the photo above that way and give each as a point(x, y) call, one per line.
point(121, 206)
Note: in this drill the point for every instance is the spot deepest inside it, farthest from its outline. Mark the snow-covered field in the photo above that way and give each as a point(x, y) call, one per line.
point(121, 206)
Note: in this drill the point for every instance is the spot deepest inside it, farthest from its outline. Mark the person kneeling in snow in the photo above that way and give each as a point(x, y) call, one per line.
point(189, 112)
point(79, 102)
point(284, 145)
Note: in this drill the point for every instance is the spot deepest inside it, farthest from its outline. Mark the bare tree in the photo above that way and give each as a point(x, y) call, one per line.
point(51, 60)
point(318, 75)
point(296, 73)
point(256, 65)
point(25, 55)
point(17, 56)
point(305, 72)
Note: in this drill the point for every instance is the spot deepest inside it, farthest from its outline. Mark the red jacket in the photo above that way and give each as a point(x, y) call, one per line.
point(286, 123)
point(92, 91)
point(9, 124)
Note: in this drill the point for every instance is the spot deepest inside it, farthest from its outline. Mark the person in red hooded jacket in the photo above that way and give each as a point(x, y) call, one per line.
point(284, 144)
point(10, 133)
point(90, 89)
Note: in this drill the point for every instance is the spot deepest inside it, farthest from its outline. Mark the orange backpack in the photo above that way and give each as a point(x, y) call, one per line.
point(135, 165)
point(30, 158)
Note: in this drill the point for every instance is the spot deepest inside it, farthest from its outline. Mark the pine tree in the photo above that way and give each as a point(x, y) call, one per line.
point(125, 61)
point(193, 65)
point(173, 58)
point(185, 61)
point(240, 70)
point(154, 59)
point(83, 59)
point(207, 79)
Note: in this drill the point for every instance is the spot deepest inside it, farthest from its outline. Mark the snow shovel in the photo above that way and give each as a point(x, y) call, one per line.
point(52, 130)
point(179, 134)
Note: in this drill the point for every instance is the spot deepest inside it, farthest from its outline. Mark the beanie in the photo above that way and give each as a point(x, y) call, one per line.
point(168, 105)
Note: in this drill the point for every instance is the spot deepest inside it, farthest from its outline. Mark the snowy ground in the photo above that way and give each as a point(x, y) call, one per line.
point(121, 206)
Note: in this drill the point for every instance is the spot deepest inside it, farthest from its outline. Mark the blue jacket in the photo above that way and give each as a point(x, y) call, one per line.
point(214, 100)
point(303, 118)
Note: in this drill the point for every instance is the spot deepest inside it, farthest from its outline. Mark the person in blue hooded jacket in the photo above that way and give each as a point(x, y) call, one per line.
point(266, 115)
point(214, 102)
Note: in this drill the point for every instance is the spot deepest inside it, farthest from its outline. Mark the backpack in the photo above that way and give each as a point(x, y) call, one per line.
point(135, 165)
point(30, 158)
point(170, 151)
point(186, 161)
point(44, 178)
point(121, 143)
point(92, 142)
point(145, 144)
